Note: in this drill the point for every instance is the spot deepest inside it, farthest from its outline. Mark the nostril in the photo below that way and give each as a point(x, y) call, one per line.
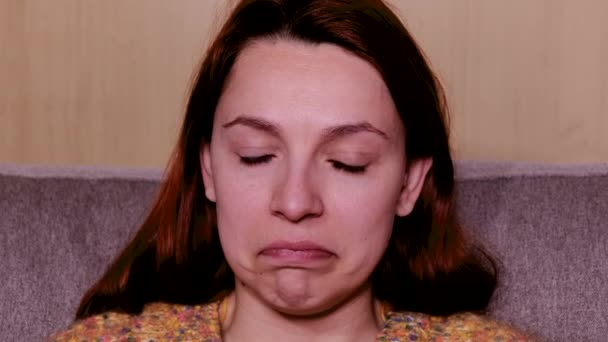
point(297, 207)
point(295, 196)
point(296, 212)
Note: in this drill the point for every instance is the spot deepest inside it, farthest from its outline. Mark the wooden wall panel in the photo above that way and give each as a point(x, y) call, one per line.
point(97, 82)
point(105, 81)
point(526, 79)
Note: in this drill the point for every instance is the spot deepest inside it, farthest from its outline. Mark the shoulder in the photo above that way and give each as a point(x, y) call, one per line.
point(457, 327)
point(469, 326)
point(158, 321)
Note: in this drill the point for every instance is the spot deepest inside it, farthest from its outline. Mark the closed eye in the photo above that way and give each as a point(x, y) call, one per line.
point(256, 160)
point(355, 169)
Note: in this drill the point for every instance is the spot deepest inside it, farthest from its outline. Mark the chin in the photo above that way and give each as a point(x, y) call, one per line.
point(306, 303)
point(304, 308)
point(302, 292)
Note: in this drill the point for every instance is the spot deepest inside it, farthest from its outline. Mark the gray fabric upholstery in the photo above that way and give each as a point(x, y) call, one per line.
point(59, 229)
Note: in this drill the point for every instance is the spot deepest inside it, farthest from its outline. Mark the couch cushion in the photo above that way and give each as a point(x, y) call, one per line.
point(58, 231)
point(548, 225)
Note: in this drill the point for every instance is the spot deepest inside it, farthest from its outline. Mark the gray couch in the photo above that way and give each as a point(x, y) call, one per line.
point(548, 225)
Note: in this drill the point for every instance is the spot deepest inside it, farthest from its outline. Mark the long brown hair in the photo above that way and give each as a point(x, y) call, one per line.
point(429, 266)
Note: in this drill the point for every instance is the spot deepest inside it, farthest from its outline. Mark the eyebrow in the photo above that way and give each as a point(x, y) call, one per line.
point(328, 134)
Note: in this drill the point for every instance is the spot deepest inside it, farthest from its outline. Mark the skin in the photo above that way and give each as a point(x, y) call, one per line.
point(307, 145)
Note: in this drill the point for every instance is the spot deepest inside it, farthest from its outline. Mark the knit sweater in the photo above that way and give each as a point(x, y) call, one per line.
point(171, 322)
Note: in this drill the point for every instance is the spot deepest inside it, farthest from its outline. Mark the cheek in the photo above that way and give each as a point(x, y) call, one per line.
point(369, 201)
point(239, 202)
point(365, 231)
point(365, 220)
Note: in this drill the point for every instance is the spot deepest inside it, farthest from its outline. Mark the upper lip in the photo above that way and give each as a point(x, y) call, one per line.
point(296, 246)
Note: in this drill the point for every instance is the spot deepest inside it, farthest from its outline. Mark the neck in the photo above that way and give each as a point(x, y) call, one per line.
point(247, 318)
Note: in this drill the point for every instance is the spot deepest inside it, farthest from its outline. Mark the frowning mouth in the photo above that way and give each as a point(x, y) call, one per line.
point(298, 253)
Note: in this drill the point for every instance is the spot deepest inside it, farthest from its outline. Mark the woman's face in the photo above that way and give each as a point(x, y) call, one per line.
point(307, 169)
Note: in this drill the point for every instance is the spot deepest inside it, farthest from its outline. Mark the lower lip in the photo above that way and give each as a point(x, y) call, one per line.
point(297, 257)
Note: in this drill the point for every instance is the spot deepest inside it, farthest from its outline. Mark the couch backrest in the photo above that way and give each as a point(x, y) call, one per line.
point(548, 225)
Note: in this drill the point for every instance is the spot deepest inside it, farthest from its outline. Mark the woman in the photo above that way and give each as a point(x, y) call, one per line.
point(309, 197)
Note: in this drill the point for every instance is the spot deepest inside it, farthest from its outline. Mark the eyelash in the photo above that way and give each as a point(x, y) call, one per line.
point(252, 161)
point(353, 169)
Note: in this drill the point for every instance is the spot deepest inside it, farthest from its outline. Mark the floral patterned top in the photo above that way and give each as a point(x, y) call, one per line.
point(170, 322)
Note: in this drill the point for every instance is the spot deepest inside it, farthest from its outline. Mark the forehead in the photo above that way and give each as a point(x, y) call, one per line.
point(289, 81)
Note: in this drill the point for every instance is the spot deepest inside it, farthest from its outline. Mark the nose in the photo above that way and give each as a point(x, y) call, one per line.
point(295, 197)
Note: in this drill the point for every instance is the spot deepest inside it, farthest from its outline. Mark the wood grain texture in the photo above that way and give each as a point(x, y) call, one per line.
point(104, 82)
point(97, 82)
point(526, 79)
